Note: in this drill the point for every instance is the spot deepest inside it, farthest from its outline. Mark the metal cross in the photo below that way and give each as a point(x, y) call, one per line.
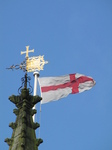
point(27, 51)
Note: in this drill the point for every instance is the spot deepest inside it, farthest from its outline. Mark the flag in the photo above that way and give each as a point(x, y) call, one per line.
point(55, 88)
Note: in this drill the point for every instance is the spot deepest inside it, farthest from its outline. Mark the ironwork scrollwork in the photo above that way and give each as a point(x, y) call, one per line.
point(26, 79)
point(22, 66)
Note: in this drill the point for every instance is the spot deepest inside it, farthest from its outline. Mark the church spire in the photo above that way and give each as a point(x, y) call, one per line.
point(23, 136)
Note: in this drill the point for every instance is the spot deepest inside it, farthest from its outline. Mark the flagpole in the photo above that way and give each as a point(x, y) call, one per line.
point(36, 75)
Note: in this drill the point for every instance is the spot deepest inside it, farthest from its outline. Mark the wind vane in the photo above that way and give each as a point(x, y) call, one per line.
point(31, 64)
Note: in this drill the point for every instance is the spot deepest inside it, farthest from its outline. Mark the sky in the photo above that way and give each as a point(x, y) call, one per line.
point(75, 36)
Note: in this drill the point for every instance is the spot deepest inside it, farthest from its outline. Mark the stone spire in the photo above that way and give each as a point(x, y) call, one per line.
point(23, 136)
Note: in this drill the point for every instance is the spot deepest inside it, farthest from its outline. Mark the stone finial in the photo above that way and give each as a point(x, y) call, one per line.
point(39, 141)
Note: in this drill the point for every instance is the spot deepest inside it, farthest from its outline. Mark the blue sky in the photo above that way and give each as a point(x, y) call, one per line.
point(75, 37)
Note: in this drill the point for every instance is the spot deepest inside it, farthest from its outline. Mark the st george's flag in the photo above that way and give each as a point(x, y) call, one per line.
point(55, 88)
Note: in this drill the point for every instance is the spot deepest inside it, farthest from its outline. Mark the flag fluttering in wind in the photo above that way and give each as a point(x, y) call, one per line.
point(55, 88)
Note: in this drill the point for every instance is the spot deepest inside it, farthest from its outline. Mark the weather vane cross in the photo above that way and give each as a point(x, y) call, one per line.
point(27, 51)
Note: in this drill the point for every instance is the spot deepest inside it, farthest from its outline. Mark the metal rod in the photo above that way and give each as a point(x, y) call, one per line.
point(36, 75)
